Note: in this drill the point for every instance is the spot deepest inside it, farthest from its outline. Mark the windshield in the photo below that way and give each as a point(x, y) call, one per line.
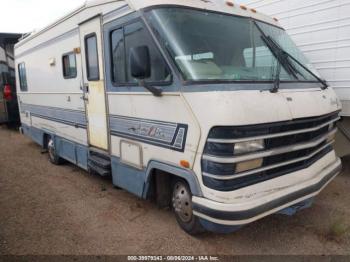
point(208, 46)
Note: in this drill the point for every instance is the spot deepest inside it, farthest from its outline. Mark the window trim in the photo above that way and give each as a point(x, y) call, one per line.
point(21, 87)
point(126, 84)
point(86, 37)
point(76, 67)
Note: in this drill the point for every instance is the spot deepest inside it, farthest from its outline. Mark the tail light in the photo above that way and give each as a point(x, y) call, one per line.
point(7, 92)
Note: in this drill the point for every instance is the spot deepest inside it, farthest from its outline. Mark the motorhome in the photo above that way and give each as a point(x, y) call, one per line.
point(173, 100)
point(321, 30)
point(9, 113)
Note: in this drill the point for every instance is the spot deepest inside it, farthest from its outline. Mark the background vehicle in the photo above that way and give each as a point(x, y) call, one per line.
point(321, 29)
point(225, 127)
point(8, 98)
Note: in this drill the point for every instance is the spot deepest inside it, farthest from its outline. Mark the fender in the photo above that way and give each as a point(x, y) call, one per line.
point(186, 174)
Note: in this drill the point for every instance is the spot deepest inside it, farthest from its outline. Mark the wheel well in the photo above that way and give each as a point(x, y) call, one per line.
point(160, 187)
point(46, 138)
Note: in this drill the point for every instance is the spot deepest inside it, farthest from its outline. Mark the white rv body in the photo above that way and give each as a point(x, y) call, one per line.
point(140, 135)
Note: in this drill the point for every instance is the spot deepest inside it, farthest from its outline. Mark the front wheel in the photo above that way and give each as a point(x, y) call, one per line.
point(182, 205)
point(53, 156)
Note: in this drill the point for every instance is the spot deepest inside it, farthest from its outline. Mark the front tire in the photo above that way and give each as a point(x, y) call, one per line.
point(52, 152)
point(182, 206)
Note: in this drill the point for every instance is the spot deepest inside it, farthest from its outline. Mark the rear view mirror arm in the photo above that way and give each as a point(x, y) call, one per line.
point(155, 91)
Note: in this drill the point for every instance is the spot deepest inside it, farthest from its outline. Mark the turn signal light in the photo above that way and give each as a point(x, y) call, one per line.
point(185, 163)
point(7, 92)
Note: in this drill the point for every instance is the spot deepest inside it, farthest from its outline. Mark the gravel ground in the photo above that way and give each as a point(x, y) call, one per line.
point(53, 210)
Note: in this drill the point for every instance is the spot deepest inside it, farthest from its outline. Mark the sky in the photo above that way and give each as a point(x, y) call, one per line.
point(24, 16)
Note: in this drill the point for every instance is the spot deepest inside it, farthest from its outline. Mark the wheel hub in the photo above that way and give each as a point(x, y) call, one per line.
point(182, 202)
point(51, 149)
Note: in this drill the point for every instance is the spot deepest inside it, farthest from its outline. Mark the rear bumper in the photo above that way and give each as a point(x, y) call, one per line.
point(236, 215)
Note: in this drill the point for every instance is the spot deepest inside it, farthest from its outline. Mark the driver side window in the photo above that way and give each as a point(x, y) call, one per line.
point(122, 41)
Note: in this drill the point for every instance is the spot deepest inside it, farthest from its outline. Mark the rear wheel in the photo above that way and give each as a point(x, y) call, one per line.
point(182, 205)
point(53, 156)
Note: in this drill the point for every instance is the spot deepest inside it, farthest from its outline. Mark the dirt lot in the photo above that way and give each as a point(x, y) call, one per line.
point(47, 209)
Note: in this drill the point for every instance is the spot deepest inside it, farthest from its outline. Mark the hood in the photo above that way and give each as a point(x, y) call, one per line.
point(239, 108)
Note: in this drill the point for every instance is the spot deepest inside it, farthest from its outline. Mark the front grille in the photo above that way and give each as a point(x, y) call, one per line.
point(289, 146)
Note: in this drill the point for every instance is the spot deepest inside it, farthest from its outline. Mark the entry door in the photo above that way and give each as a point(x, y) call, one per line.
point(93, 86)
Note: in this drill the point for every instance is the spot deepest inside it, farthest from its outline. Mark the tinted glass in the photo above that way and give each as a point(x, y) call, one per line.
point(135, 35)
point(208, 46)
point(22, 77)
point(69, 66)
point(92, 66)
point(118, 56)
point(287, 44)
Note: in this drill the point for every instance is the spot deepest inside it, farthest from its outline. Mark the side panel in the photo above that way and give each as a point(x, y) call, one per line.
point(53, 103)
point(81, 156)
point(66, 149)
point(42, 54)
point(159, 129)
point(128, 177)
point(69, 150)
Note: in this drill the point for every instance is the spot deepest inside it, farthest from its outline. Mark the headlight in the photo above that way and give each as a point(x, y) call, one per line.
point(249, 165)
point(249, 147)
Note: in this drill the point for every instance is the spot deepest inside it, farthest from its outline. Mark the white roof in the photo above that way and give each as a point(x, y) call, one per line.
point(213, 5)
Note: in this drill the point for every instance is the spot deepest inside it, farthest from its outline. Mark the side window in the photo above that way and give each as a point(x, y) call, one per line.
point(118, 56)
point(22, 74)
point(69, 66)
point(92, 66)
point(135, 35)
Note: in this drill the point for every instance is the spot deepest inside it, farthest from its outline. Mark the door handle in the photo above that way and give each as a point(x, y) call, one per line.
point(85, 88)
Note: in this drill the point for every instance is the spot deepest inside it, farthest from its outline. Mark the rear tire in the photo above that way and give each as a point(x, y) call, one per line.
point(52, 152)
point(182, 206)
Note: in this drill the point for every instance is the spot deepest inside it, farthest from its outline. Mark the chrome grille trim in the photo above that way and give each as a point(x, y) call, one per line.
point(258, 170)
point(273, 152)
point(306, 130)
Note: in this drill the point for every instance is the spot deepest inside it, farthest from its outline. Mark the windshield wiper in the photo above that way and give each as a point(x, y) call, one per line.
point(277, 81)
point(283, 58)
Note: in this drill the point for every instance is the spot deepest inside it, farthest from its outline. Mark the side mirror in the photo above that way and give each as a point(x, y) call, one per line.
point(140, 62)
point(140, 67)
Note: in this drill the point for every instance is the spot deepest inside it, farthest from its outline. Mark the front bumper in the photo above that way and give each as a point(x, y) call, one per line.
point(238, 214)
